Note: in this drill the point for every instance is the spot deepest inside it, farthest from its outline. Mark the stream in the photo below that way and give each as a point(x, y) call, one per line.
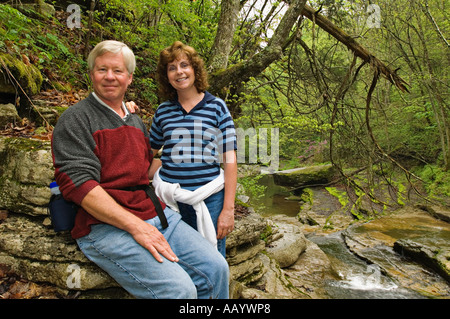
point(358, 279)
point(355, 278)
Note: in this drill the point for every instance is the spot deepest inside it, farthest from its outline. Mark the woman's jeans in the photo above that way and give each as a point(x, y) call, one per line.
point(201, 271)
point(215, 205)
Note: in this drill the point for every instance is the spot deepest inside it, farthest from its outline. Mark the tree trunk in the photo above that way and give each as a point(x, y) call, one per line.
point(243, 71)
point(88, 35)
point(224, 36)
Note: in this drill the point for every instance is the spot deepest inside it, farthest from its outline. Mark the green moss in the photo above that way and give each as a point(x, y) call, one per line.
point(344, 200)
point(59, 109)
point(437, 181)
point(24, 144)
point(265, 235)
point(307, 196)
point(340, 195)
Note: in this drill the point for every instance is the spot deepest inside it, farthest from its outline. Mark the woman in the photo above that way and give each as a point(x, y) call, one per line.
point(196, 132)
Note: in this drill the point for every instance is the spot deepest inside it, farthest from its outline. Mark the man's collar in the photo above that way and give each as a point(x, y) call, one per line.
point(124, 108)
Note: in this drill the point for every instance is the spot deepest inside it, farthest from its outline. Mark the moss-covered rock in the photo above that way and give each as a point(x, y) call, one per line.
point(304, 176)
point(27, 75)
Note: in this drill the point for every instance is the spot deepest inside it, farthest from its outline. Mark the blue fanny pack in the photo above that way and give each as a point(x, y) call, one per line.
point(62, 213)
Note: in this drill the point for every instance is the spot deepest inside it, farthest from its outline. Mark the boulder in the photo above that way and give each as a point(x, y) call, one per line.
point(26, 172)
point(39, 254)
point(286, 249)
point(310, 271)
point(273, 284)
point(304, 176)
point(8, 114)
point(256, 265)
point(437, 211)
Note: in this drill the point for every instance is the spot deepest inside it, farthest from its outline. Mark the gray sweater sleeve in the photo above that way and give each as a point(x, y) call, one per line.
point(77, 168)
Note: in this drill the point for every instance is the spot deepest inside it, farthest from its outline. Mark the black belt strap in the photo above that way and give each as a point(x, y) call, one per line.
point(151, 193)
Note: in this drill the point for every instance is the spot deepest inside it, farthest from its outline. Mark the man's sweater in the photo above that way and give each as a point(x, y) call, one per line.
point(92, 145)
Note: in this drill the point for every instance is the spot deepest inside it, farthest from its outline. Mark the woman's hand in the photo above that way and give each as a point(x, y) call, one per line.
point(225, 223)
point(132, 107)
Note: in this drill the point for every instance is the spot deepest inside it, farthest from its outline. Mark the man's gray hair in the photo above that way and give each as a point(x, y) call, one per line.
point(114, 47)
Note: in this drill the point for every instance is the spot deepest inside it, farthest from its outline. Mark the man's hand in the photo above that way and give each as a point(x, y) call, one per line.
point(103, 207)
point(149, 237)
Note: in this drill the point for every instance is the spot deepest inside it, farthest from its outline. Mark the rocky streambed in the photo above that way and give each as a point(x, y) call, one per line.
point(411, 246)
point(402, 252)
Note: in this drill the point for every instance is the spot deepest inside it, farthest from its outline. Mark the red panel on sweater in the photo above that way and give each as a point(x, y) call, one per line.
point(125, 156)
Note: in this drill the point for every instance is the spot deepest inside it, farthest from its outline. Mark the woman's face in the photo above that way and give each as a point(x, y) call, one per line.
point(181, 74)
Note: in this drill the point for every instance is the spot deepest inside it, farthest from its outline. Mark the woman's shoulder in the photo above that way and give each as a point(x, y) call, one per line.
point(217, 102)
point(212, 98)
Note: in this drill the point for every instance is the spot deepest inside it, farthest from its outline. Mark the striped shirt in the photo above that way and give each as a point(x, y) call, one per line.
point(193, 142)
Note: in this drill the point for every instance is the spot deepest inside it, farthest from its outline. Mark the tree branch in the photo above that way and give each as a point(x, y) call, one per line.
point(358, 50)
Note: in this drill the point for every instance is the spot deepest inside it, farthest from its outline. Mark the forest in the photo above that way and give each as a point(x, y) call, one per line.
point(363, 85)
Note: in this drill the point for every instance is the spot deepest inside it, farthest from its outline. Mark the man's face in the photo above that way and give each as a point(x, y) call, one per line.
point(110, 78)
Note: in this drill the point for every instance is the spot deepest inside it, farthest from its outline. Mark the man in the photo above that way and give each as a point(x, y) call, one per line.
point(100, 152)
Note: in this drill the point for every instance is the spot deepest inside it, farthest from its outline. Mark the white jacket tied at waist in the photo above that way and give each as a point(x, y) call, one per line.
point(172, 193)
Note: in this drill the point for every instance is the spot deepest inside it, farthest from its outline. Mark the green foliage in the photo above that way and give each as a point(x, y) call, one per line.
point(340, 195)
point(301, 93)
point(13, 23)
point(15, 29)
point(252, 187)
point(437, 181)
point(41, 42)
point(147, 89)
point(147, 26)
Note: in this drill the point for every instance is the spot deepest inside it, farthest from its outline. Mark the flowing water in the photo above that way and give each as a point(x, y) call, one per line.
point(356, 278)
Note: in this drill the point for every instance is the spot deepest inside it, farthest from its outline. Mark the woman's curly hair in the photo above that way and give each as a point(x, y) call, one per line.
point(170, 54)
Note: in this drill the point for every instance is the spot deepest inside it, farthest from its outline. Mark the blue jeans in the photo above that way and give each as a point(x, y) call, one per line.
point(200, 273)
point(215, 205)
